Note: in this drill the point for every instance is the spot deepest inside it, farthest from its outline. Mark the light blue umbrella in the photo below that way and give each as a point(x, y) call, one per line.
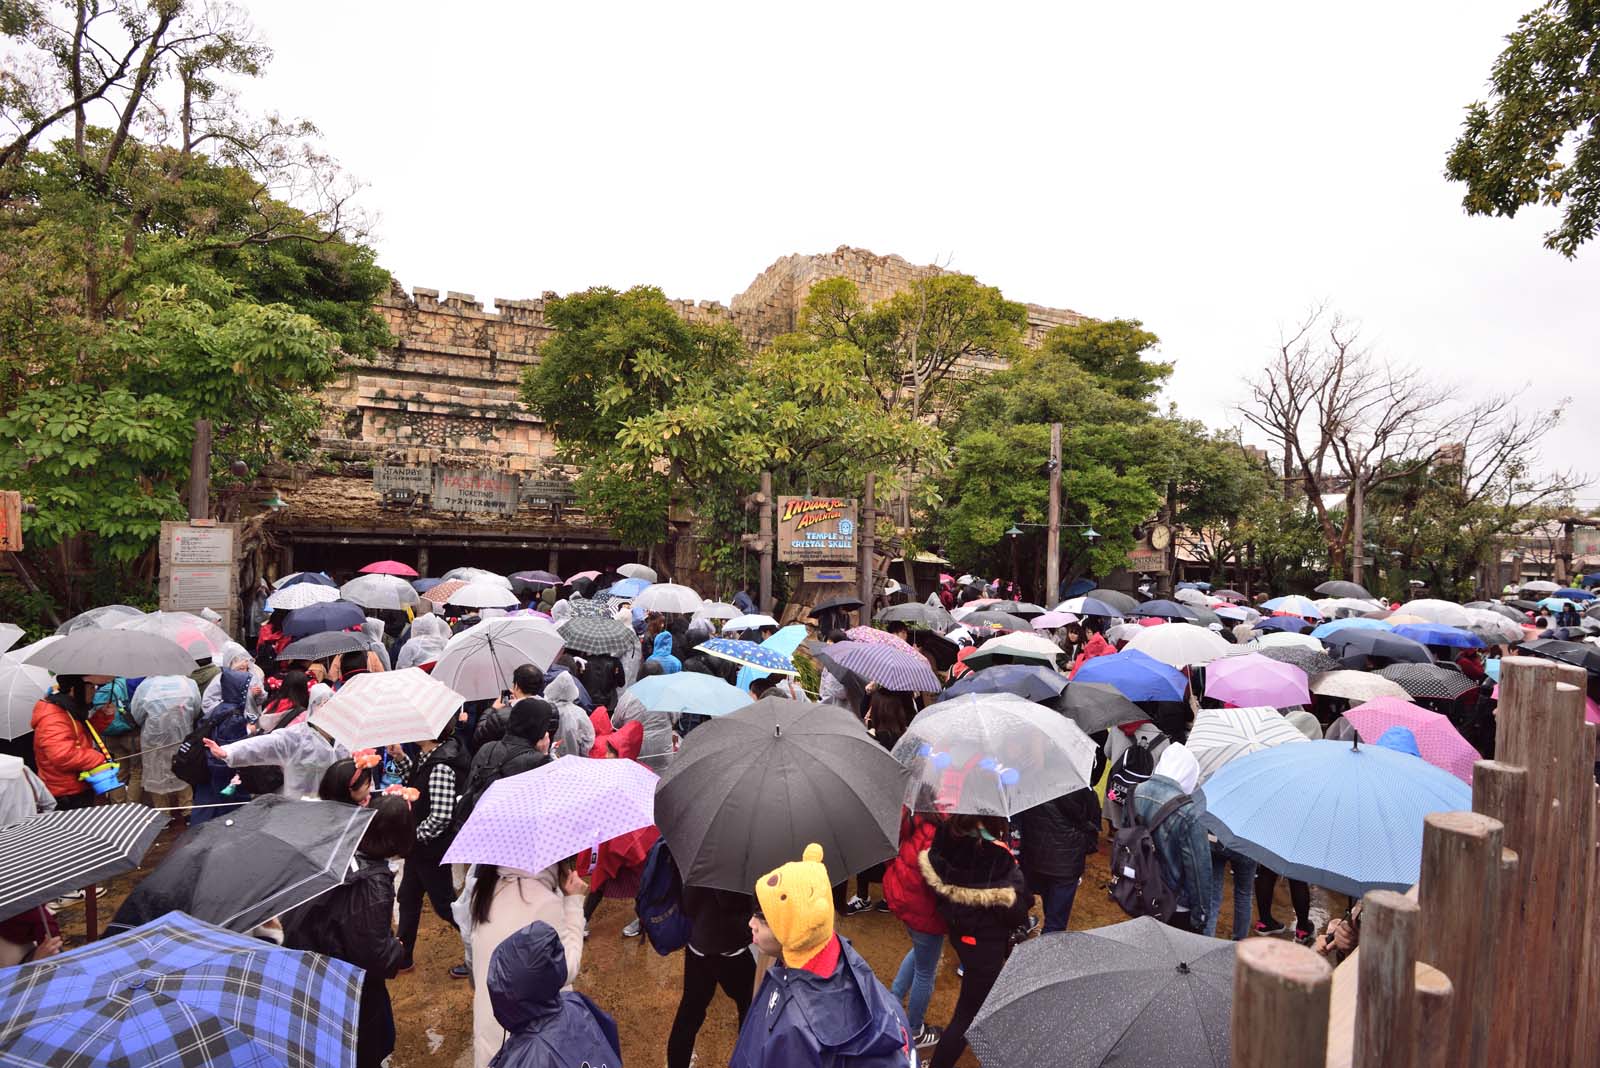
point(1556, 604)
point(1340, 815)
point(1294, 605)
point(1491, 667)
point(688, 691)
point(627, 589)
point(1351, 623)
point(784, 643)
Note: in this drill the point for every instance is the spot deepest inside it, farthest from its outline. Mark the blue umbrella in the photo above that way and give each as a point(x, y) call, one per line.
point(1080, 587)
point(1354, 646)
point(317, 618)
point(1295, 605)
point(688, 691)
point(423, 585)
point(783, 642)
point(1347, 817)
point(1136, 676)
point(1163, 610)
point(1333, 626)
point(1029, 681)
point(177, 991)
point(1288, 624)
point(1438, 634)
point(749, 654)
point(1591, 580)
point(1572, 594)
point(627, 589)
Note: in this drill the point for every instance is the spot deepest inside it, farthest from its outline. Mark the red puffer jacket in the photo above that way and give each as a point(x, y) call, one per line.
point(903, 886)
point(64, 747)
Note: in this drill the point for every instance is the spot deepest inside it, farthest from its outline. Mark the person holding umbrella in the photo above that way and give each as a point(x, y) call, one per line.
point(438, 777)
point(1057, 836)
point(66, 739)
point(819, 1004)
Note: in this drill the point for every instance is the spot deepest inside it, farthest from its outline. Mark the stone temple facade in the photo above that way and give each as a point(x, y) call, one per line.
point(446, 395)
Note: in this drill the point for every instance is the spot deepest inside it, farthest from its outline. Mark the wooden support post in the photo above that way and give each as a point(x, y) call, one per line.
point(764, 528)
point(1459, 895)
point(1500, 791)
point(1583, 1047)
point(1052, 558)
point(867, 527)
point(1431, 1011)
point(1387, 965)
point(200, 471)
point(1541, 729)
point(1274, 982)
point(1591, 1051)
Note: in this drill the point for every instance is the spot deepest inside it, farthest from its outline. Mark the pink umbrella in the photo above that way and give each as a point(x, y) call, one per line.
point(584, 574)
point(878, 637)
point(1253, 680)
point(390, 567)
point(1437, 738)
point(1052, 620)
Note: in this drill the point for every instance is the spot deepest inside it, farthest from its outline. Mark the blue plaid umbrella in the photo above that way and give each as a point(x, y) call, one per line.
point(1438, 634)
point(749, 654)
point(178, 993)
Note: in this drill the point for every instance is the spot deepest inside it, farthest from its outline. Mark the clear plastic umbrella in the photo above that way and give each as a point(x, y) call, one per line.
point(380, 592)
point(21, 687)
point(638, 571)
point(105, 617)
point(1436, 611)
point(476, 574)
point(483, 594)
point(301, 595)
point(185, 628)
point(992, 754)
point(478, 662)
point(669, 598)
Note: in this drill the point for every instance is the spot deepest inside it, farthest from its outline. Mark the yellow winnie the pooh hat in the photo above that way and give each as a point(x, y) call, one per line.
point(797, 902)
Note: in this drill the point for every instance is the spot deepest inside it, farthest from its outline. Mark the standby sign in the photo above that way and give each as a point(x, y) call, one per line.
point(812, 529)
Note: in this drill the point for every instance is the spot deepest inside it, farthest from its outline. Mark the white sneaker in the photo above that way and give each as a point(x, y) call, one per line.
point(632, 930)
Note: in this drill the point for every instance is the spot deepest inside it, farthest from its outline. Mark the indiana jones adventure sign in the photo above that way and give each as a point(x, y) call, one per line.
point(812, 529)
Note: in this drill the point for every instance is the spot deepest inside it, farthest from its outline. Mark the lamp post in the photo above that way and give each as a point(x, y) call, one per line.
point(1015, 531)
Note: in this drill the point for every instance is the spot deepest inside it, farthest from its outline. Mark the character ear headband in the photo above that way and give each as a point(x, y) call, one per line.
point(407, 794)
point(364, 759)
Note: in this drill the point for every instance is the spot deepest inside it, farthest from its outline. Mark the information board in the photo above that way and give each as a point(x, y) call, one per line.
point(816, 529)
point(467, 490)
point(200, 569)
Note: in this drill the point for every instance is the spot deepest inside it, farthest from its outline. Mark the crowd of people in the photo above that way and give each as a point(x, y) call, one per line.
point(802, 994)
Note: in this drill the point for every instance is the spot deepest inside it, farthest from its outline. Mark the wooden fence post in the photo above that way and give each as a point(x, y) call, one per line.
point(1275, 982)
point(1501, 792)
point(1430, 1019)
point(1387, 968)
point(1459, 895)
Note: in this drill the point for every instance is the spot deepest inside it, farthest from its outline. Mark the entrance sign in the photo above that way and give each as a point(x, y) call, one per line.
point(816, 529)
point(465, 490)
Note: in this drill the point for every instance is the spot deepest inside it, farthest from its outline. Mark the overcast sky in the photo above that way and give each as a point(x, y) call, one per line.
point(1212, 171)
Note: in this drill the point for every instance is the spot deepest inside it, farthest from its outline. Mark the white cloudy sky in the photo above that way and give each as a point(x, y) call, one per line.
point(1210, 170)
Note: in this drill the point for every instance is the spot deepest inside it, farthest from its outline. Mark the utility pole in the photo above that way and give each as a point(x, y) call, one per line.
point(200, 471)
point(764, 529)
point(1165, 586)
point(868, 527)
point(1358, 503)
point(1052, 559)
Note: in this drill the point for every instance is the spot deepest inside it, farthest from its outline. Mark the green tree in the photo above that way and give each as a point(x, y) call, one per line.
point(1535, 141)
point(1113, 351)
point(1221, 489)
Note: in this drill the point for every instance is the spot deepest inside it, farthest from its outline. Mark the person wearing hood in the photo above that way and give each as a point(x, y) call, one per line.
point(66, 738)
point(166, 708)
point(545, 1024)
point(427, 639)
point(229, 722)
point(980, 893)
point(302, 750)
point(661, 653)
point(819, 1005)
point(503, 903)
point(576, 733)
point(1180, 840)
point(657, 744)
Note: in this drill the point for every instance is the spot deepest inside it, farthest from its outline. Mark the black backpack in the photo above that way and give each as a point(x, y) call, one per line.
point(1134, 766)
point(1137, 881)
point(258, 779)
point(189, 759)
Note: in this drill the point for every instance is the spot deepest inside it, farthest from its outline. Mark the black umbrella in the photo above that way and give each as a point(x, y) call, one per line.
point(748, 791)
point(1164, 610)
point(1204, 616)
point(1145, 993)
point(842, 604)
point(1354, 647)
point(1575, 653)
point(917, 615)
point(1122, 602)
point(1097, 706)
point(1524, 605)
point(1024, 609)
point(1311, 661)
point(941, 650)
point(1429, 680)
point(57, 852)
point(1030, 681)
point(1341, 588)
point(251, 864)
point(320, 618)
point(329, 643)
point(127, 653)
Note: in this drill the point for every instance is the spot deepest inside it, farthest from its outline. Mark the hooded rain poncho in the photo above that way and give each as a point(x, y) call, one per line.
point(546, 1027)
point(165, 707)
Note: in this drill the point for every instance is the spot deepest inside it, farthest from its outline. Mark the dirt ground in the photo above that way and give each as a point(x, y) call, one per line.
point(433, 1012)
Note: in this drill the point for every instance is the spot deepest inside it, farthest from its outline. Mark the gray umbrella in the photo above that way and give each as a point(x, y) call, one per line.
point(1122, 602)
point(1096, 706)
point(1341, 588)
point(126, 653)
point(596, 635)
point(997, 620)
point(918, 615)
point(328, 643)
point(748, 791)
point(1311, 661)
point(1134, 993)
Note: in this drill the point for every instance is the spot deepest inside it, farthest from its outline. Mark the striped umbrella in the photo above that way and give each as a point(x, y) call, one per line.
point(57, 852)
point(882, 664)
point(599, 634)
point(750, 655)
point(1220, 734)
point(872, 635)
point(388, 707)
point(1429, 680)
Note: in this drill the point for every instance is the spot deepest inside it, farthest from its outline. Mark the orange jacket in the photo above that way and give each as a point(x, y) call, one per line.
point(63, 747)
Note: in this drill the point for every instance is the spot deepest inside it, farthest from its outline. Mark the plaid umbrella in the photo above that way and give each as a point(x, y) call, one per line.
point(382, 708)
point(478, 662)
point(1220, 734)
point(56, 852)
point(439, 593)
point(328, 643)
point(750, 655)
point(255, 862)
point(1356, 686)
point(179, 993)
point(301, 595)
point(590, 608)
point(1429, 680)
point(1311, 661)
point(597, 634)
point(872, 635)
point(883, 664)
point(530, 821)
